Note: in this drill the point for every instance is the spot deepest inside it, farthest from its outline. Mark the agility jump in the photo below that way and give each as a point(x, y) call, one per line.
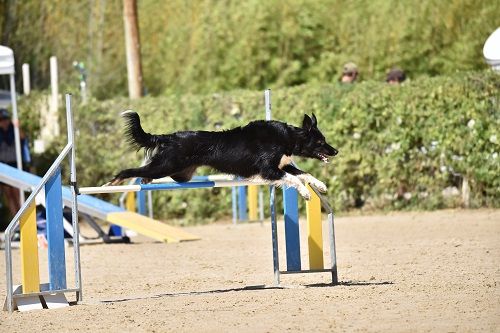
point(315, 237)
point(27, 295)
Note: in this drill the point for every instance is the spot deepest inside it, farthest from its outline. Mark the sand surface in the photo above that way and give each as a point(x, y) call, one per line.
point(402, 272)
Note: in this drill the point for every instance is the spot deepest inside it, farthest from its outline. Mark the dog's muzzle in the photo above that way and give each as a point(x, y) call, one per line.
point(324, 156)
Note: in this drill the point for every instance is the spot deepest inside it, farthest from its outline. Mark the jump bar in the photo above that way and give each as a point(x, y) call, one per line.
point(168, 186)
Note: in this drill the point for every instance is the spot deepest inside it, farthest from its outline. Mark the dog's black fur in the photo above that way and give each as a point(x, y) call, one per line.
point(256, 149)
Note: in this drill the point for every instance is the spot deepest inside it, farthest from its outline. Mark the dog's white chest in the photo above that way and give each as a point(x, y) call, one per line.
point(285, 160)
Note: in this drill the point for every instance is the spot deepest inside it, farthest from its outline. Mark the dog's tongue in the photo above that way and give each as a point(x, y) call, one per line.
point(324, 158)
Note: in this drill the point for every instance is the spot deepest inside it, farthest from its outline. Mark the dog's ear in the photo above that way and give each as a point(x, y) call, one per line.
point(307, 123)
point(314, 121)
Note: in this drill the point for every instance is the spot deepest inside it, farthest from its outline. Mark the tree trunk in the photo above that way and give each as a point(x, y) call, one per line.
point(133, 48)
point(8, 21)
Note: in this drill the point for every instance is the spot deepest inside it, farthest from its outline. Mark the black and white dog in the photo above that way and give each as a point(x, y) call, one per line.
point(260, 151)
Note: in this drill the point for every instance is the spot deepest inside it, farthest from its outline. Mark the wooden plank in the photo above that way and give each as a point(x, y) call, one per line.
point(149, 227)
point(130, 204)
point(55, 232)
point(141, 203)
point(314, 231)
point(292, 234)
point(242, 203)
point(30, 274)
point(252, 202)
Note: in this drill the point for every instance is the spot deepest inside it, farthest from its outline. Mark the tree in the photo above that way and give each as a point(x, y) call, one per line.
point(133, 48)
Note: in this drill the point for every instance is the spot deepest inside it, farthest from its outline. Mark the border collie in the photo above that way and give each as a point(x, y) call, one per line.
point(259, 151)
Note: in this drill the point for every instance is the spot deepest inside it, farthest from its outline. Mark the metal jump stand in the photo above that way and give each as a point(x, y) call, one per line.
point(274, 227)
point(57, 272)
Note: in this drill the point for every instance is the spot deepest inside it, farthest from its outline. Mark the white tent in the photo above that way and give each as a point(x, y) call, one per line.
point(491, 50)
point(7, 68)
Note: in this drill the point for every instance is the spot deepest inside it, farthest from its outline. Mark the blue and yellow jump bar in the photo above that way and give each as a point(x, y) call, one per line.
point(167, 186)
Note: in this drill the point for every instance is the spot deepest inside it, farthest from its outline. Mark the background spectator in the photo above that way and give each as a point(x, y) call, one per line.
point(349, 73)
point(395, 76)
point(8, 156)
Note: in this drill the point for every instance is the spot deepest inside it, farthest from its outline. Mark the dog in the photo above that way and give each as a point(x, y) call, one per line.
point(261, 151)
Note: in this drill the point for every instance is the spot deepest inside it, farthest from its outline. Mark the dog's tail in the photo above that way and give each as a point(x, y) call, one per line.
point(134, 133)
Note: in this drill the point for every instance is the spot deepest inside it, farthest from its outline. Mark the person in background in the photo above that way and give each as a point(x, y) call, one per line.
point(8, 156)
point(349, 73)
point(395, 76)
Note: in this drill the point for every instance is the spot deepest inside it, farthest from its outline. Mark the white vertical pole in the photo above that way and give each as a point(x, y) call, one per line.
point(26, 79)
point(274, 226)
point(17, 136)
point(234, 199)
point(261, 205)
point(54, 83)
point(267, 100)
point(267, 104)
point(465, 192)
point(74, 199)
point(150, 204)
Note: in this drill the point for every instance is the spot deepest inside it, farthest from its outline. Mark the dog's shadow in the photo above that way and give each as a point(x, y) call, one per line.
point(253, 288)
point(350, 284)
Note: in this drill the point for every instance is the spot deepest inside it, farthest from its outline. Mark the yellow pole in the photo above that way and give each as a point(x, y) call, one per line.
point(30, 274)
point(314, 231)
point(130, 204)
point(252, 202)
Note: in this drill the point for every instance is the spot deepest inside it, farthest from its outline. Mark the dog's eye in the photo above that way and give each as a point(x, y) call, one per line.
point(319, 142)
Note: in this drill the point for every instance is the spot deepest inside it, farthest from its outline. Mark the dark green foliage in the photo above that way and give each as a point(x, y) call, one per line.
point(203, 46)
point(400, 146)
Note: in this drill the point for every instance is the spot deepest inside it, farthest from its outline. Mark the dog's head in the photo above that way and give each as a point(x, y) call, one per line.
point(313, 143)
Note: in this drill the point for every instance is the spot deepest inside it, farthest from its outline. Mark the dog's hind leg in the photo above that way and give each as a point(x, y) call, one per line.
point(305, 177)
point(185, 175)
point(146, 180)
point(146, 172)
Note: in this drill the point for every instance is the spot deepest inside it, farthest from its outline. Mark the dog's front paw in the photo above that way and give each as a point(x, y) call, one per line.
point(320, 186)
point(304, 193)
point(306, 197)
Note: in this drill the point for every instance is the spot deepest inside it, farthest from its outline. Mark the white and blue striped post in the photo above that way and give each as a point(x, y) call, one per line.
point(167, 186)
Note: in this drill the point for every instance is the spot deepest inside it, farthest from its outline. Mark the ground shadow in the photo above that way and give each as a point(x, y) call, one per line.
point(196, 293)
point(247, 288)
point(350, 284)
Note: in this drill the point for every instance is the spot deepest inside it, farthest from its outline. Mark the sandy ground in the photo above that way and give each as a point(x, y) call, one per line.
point(403, 272)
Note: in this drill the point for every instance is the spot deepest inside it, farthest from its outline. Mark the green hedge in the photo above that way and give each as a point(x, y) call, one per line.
point(400, 146)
